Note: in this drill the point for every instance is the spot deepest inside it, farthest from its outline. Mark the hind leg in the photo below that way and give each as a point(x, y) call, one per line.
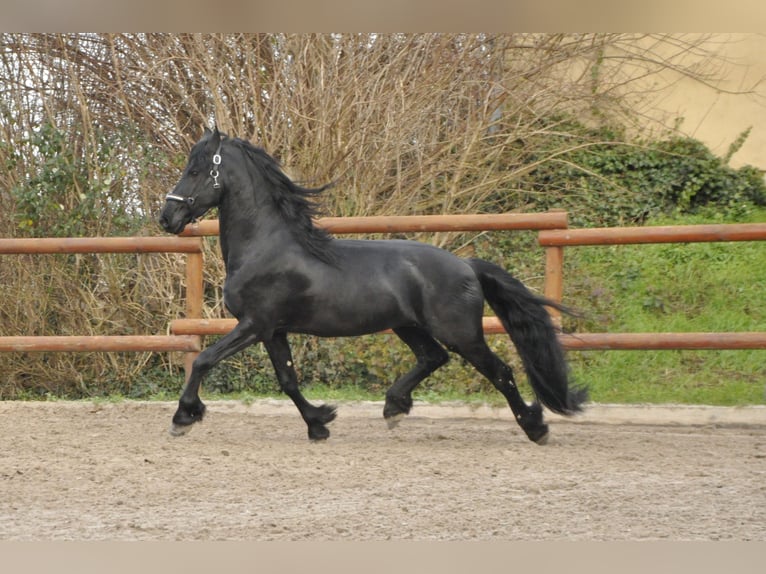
point(316, 417)
point(529, 417)
point(430, 356)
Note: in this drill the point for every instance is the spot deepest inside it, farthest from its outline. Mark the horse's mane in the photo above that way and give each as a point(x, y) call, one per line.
point(296, 204)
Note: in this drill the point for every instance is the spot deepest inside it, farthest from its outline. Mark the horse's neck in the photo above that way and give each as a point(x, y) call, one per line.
point(247, 233)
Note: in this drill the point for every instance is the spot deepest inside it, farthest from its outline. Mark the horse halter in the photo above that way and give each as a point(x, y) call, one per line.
point(213, 173)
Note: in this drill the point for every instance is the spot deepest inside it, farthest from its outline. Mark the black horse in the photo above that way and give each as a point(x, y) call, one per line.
point(285, 275)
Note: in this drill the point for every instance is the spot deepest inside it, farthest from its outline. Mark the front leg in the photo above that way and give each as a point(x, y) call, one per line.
point(316, 417)
point(191, 409)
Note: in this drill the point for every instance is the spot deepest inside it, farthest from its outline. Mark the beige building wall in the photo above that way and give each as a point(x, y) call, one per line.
point(716, 116)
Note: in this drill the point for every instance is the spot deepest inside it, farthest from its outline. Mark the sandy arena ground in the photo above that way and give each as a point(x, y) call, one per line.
point(90, 471)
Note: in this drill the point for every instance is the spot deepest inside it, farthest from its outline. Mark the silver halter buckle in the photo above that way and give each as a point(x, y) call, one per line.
point(214, 172)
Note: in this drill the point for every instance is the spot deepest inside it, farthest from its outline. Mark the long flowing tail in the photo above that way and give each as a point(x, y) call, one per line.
point(529, 325)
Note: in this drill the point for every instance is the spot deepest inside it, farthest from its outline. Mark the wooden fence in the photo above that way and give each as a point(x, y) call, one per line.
point(553, 234)
point(558, 239)
point(188, 343)
point(195, 325)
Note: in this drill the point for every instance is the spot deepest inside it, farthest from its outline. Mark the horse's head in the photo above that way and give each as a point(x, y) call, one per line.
point(199, 188)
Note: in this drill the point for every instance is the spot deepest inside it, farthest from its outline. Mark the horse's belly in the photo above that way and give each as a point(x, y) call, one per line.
point(348, 320)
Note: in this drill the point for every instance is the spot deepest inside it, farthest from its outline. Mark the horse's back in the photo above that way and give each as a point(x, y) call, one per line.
point(392, 260)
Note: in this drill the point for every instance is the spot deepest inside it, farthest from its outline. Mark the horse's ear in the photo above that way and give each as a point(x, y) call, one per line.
point(215, 138)
point(206, 131)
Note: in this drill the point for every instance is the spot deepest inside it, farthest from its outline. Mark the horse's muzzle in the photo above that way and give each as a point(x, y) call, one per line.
point(172, 223)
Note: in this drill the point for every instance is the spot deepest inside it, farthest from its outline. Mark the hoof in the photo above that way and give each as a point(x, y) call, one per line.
point(179, 430)
point(543, 440)
point(393, 421)
point(185, 416)
point(396, 407)
point(539, 434)
point(317, 419)
point(318, 433)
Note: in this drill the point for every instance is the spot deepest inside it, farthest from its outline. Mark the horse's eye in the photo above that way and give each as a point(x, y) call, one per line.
point(193, 173)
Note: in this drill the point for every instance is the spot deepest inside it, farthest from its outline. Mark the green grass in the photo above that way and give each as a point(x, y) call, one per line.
point(704, 287)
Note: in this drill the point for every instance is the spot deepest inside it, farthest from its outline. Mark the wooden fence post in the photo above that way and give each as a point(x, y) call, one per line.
point(554, 273)
point(194, 296)
point(554, 280)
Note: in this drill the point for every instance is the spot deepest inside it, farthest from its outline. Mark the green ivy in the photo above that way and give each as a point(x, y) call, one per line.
point(607, 180)
point(78, 189)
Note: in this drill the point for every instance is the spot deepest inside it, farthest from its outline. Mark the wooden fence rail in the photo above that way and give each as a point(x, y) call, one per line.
point(169, 244)
point(414, 223)
point(658, 234)
point(100, 343)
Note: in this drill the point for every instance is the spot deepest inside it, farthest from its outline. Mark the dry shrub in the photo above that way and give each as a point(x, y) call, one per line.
point(95, 127)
